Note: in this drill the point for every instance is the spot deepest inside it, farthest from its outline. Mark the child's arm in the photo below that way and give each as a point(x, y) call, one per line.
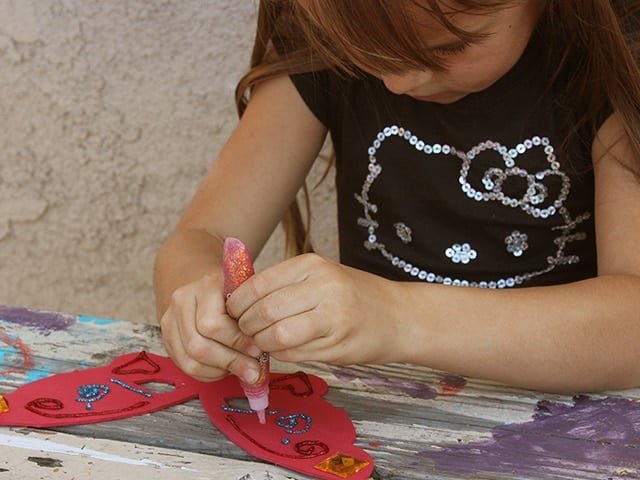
point(245, 193)
point(575, 337)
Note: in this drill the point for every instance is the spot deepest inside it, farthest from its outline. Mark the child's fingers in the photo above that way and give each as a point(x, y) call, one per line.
point(175, 345)
point(203, 340)
point(296, 331)
point(205, 359)
point(290, 301)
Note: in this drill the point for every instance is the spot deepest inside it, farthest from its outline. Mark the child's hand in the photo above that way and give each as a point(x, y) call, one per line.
point(202, 339)
point(310, 308)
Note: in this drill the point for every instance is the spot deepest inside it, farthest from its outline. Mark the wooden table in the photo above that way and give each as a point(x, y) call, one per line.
point(415, 422)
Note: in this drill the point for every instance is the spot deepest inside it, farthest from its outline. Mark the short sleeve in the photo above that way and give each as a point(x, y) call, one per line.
point(315, 89)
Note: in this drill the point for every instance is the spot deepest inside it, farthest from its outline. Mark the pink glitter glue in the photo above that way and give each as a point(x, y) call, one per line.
point(238, 267)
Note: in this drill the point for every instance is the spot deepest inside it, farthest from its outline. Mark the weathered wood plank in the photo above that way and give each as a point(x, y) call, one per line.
point(416, 423)
point(43, 454)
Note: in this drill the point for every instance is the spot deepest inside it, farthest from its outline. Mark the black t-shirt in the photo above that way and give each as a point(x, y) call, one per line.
point(470, 193)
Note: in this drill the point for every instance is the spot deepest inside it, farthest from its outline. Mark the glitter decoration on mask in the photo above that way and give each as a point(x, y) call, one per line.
point(131, 388)
point(341, 465)
point(92, 393)
point(296, 423)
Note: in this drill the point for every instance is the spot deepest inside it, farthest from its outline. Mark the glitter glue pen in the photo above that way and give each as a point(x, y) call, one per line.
point(238, 267)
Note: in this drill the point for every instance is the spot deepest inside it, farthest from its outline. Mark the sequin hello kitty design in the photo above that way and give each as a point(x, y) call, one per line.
point(531, 203)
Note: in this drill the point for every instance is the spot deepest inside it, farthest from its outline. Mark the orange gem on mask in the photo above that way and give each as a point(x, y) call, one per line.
point(341, 465)
point(4, 406)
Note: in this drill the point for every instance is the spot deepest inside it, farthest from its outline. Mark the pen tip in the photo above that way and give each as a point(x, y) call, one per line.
point(262, 416)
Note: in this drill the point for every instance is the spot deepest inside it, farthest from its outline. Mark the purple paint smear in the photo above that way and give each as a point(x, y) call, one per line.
point(601, 436)
point(40, 319)
point(413, 389)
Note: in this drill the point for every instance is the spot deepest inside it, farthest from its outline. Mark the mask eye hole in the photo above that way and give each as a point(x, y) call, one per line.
point(158, 387)
point(238, 404)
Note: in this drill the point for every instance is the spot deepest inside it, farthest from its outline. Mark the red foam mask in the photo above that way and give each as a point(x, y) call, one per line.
point(303, 432)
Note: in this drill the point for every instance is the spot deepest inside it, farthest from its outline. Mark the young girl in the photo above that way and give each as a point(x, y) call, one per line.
point(487, 159)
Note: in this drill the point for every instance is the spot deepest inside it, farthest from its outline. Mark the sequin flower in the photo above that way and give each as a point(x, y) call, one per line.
point(461, 253)
point(403, 232)
point(516, 243)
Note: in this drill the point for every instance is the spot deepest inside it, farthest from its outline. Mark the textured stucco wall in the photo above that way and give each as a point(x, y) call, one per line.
point(110, 114)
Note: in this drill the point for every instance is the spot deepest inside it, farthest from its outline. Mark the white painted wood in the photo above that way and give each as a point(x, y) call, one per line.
point(31, 454)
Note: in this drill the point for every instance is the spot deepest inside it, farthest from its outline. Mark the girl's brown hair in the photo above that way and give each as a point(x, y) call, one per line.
point(593, 46)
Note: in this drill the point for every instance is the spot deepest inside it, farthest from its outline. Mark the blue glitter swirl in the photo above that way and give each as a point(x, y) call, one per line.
point(290, 423)
point(92, 393)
